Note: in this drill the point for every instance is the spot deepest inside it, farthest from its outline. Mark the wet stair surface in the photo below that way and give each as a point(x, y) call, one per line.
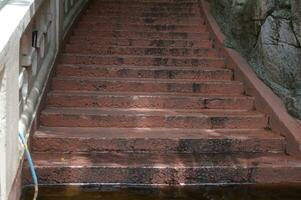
point(140, 96)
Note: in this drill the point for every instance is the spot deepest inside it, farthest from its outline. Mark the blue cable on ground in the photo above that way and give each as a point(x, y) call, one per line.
point(31, 166)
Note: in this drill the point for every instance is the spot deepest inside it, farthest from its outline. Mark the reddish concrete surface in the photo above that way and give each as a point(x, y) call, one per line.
point(204, 74)
point(153, 51)
point(142, 85)
point(69, 58)
point(170, 169)
point(156, 140)
point(100, 36)
point(145, 100)
point(142, 95)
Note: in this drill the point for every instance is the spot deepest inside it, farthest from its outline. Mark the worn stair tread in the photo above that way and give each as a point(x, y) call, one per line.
point(75, 140)
point(142, 20)
point(142, 1)
point(123, 11)
point(155, 133)
point(112, 47)
point(144, 60)
point(146, 80)
point(74, 93)
point(149, 67)
point(142, 96)
point(147, 72)
point(102, 50)
point(152, 112)
point(140, 44)
point(83, 24)
point(156, 81)
point(97, 26)
point(161, 15)
point(111, 84)
point(144, 34)
point(166, 169)
point(77, 39)
point(146, 94)
point(153, 8)
point(147, 7)
point(144, 4)
point(145, 1)
point(57, 98)
point(144, 160)
point(139, 48)
point(144, 56)
point(154, 1)
point(142, 7)
point(203, 33)
point(147, 29)
point(149, 118)
point(100, 40)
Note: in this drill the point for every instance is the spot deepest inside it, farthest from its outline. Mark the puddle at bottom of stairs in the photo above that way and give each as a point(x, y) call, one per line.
point(245, 192)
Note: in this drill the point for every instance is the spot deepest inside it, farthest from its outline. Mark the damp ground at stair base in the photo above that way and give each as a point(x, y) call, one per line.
point(234, 192)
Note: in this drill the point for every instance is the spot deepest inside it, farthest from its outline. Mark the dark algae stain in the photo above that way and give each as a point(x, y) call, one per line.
point(245, 192)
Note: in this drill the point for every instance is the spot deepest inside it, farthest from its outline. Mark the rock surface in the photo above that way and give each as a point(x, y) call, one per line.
point(268, 34)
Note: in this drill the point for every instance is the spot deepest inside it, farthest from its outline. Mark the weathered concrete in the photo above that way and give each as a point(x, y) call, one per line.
point(121, 112)
point(165, 169)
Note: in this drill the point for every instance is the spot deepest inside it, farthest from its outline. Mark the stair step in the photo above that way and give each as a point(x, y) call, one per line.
point(140, 85)
point(83, 26)
point(148, 118)
point(153, 1)
point(88, 140)
point(142, 20)
point(151, 6)
point(145, 100)
point(126, 13)
point(192, 73)
point(138, 10)
point(127, 27)
point(141, 96)
point(169, 169)
point(142, 60)
point(118, 2)
point(140, 51)
point(144, 4)
point(139, 35)
point(139, 43)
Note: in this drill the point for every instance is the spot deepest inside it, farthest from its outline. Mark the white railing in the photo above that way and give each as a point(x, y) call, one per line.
point(39, 46)
point(2, 3)
point(30, 38)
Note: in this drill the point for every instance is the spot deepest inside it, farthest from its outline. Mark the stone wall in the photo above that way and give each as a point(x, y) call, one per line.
point(268, 34)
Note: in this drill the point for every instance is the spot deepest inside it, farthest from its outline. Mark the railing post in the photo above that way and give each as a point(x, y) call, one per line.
point(2, 135)
point(60, 21)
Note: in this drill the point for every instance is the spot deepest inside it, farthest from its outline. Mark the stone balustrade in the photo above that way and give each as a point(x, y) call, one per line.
point(30, 38)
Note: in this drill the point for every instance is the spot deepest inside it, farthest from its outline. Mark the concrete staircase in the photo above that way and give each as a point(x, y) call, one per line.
point(140, 96)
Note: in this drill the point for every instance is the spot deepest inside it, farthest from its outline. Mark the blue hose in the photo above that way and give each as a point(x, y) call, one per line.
point(31, 166)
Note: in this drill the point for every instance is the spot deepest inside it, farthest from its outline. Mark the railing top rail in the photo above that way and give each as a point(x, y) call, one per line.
point(2, 3)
